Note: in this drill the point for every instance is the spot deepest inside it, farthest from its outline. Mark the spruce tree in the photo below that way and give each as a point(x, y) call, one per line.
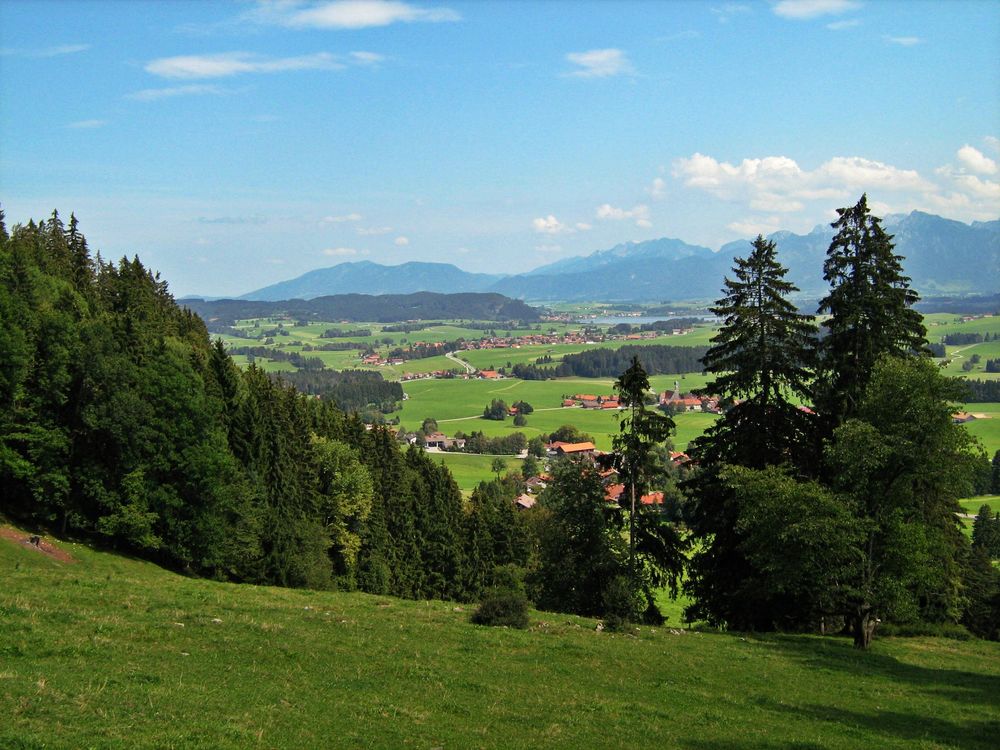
point(761, 359)
point(871, 311)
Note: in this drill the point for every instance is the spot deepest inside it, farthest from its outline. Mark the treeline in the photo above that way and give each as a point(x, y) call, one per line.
point(656, 325)
point(603, 363)
point(505, 445)
point(349, 390)
point(424, 351)
point(385, 308)
point(981, 391)
point(336, 333)
point(121, 422)
point(296, 359)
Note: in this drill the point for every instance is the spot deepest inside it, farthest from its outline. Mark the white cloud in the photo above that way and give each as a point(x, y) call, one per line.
point(974, 160)
point(600, 63)
point(640, 213)
point(151, 95)
point(87, 124)
point(340, 252)
point(367, 58)
point(551, 225)
point(582, 226)
point(372, 231)
point(57, 51)
point(549, 249)
point(777, 185)
point(401, 241)
point(354, 216)
point(227, 64)
point(800, 10)
point(350, 14)
point(849, 23)
point(727, 10)
point(903, 41)
point(658, 189)
point(992, 142)
point(749, 227)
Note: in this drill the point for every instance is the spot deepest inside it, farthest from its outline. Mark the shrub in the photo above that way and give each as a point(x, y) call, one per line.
point(502, 607)
point(623, 603)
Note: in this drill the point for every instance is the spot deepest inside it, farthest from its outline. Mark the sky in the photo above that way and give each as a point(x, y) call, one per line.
point(235, 144)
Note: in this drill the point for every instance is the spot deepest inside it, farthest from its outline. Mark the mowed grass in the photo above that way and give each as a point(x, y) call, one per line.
point(987, 428)
point(109, 652)
point(470, 469)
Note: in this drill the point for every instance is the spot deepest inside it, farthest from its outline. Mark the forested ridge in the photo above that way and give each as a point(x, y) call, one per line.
point(121, 422)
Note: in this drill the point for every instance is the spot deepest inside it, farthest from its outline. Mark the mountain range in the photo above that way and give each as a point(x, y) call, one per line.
point(941, 256)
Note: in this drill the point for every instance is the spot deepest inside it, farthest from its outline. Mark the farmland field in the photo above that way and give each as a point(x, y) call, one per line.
point(114, 653)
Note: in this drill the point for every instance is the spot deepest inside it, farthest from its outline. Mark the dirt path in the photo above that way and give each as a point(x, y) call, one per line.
point(468, 368)
point(45, 547)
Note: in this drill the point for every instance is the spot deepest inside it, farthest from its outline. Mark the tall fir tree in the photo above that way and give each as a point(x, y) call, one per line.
point(761, 358)
point(871, 312)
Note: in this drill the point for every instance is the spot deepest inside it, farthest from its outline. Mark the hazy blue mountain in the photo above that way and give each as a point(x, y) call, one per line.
point(365, 277)
point(940, 255)
point(665, 249)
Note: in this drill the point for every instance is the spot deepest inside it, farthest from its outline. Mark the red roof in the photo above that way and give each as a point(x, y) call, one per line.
point(488, 373)
point(609, 405)
point(653, 498)
point(576, 447)
point(614, 491)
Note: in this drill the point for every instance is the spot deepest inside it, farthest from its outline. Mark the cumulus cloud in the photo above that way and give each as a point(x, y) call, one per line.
point(340, 252)
point(976, 161)
point(225, 64)
point(777, 185)
point(401, 241)
point(640, 213)
point(600, 63)
point(658, 188)
point(804, 10)
point(343, 219)
point(348, 14)
point(582, 226)
point(551, 225)
point(373, 231)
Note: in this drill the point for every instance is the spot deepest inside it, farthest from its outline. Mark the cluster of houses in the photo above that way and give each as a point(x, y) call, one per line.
point(678, 401)
point(590, 401)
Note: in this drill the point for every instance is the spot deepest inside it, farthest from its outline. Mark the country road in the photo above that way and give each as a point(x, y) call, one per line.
point(468, 368)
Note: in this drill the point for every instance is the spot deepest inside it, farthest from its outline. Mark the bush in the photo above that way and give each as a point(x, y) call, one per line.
point(503, 607)
point(623, 603)
point(925, 629)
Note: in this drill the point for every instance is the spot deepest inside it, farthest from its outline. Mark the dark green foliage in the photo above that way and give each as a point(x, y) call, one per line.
point(871, 312)
point(523, 407)
point(986, 532)
point(623, 603)
point(995, 481)
point(496, 410)
point(603, 363)
point(900, 467)
point(121, 421)
point(981, 584)
point(520, 420)
point(981, 391)
point(761, 356)
point(506, 608)
point(350, 390)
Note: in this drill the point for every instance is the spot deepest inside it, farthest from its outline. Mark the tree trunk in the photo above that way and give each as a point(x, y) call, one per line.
point(863, 627)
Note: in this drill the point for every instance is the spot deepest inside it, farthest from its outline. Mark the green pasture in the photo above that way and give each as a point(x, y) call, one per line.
point(972, 505)
point(987, 429)
point(109, 652)
point(469, 469)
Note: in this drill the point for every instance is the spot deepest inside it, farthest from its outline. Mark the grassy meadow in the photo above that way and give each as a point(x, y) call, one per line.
point(109, 652)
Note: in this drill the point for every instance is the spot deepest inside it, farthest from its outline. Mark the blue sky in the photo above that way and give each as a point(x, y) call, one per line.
point(232, 145)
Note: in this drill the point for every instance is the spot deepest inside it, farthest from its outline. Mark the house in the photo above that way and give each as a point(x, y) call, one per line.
point(614, 492)
point(961, 417)
point(489, 374)
point(534, 484)
point(609, 404)
point(652, 498)
point(439, 441)
point(568, 402)
point(584, 451)
point(681, 401)
point(524, 502)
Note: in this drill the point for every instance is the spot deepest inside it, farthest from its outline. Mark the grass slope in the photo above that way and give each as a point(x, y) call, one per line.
point(112, 653)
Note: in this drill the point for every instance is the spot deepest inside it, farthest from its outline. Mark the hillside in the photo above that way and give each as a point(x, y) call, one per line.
point(110, 652)
point(365, 277)
point(381, 309)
